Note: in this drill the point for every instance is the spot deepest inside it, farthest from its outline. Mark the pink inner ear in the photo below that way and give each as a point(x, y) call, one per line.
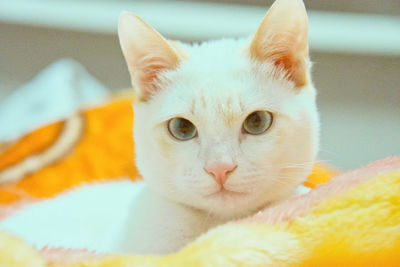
point(146, 52)
point(146, 65)
point(287, 51)
point(295, 67)
point(145, 76)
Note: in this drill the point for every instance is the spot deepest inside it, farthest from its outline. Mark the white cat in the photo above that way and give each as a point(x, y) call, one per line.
point(222, 129)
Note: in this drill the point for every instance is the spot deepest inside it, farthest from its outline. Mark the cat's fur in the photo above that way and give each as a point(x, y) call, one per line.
point(216, 85)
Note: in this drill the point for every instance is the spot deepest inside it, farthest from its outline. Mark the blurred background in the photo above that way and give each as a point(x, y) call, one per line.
point(355, 47)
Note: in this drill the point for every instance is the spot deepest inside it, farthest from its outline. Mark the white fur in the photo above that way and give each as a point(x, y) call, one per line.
point(216, 86)
point(270, 165)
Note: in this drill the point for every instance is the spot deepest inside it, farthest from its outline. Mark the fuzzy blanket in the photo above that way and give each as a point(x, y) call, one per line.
point(354, 219)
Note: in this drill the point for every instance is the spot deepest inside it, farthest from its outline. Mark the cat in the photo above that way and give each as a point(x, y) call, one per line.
point(222, 129)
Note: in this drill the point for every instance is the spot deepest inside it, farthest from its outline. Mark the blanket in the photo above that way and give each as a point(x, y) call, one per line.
point(352, 220)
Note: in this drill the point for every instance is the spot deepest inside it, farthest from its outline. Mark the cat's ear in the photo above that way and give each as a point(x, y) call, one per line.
point(146, 52)
point(282, 38)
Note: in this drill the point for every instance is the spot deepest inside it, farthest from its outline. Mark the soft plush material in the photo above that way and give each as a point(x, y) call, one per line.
point(58, 90)
point(99, 146)
point(354, 219)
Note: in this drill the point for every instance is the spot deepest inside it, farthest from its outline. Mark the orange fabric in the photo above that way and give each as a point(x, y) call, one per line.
point(7, 197)
point(30, 144)
point(105, 151)
point(321, 173)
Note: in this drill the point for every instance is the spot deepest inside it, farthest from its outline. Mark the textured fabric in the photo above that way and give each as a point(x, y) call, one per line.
point(353, 220)
point(101, 148)
point(57, 91)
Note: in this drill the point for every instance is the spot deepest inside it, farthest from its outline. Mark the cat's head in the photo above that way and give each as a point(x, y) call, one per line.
point(225, 126)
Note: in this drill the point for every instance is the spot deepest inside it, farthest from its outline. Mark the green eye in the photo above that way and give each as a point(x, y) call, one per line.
point(257, 122)
point(182, 129)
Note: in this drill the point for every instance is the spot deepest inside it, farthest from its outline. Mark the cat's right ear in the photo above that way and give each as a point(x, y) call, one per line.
point(146, 52)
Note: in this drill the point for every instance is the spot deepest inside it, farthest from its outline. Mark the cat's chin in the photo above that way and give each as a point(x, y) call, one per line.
point(227, 204)
point(231, 212)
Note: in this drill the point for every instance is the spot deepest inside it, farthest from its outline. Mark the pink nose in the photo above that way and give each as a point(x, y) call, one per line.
point(220, 172)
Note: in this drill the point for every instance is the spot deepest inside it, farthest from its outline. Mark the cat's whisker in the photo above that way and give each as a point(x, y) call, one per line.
point(284, 182)
point(298, 164)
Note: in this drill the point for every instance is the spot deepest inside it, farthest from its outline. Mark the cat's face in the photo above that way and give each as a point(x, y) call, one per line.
point(224, 126)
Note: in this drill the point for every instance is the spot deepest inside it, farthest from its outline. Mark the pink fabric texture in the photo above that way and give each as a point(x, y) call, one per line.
point(300, 206)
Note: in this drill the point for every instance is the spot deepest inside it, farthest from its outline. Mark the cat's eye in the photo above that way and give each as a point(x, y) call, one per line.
point(182, 129)
point(257, 122)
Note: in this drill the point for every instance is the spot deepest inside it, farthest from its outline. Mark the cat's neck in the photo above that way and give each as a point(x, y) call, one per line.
point(153, 213)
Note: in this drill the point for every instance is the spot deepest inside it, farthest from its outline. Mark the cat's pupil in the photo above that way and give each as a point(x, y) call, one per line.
point(182, 129)
point(185, 127)
point(257, 122)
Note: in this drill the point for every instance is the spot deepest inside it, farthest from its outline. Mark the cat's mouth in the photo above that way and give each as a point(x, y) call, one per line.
point(223, 192)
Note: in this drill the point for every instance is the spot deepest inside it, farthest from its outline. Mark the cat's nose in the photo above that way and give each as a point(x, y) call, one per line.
point(220, 171)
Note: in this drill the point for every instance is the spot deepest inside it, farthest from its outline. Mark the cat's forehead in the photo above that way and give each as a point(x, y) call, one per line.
point(215, 57)
point(211, 80)
point(206, 106)
point(217, 81)
point(223, 68)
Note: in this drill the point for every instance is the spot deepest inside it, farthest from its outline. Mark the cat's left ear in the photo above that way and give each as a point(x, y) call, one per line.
point(282, 38)
point(146, 52)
